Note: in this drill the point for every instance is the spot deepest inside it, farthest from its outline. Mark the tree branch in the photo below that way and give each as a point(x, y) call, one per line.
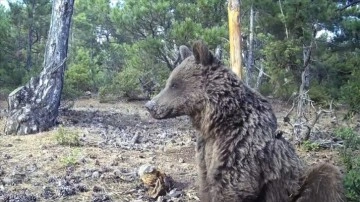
point(349, 5)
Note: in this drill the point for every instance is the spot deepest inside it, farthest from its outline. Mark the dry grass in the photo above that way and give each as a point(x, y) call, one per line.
point(43, 150)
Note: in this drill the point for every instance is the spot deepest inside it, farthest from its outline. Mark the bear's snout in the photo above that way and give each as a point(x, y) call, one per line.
point(150, 105)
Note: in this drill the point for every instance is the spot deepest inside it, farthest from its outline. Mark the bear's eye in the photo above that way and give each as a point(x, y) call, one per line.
point(173, 85)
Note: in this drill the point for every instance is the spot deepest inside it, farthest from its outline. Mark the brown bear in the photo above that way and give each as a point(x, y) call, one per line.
point(240, 155)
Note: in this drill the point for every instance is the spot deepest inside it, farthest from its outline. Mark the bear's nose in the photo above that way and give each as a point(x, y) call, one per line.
point(150, 105)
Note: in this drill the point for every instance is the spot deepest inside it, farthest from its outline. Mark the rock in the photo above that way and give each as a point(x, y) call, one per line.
point(117, 173)
point(82, 160)
point(32, 168)
point(181, 160)
point(174, 193)
point(21, 196)
point(2, 172)
point(97, 162)
point(7, 181)
point(135, 139)
point(97, 197)
point(105, 169)
point(146, 169)
point(47, 192)
point(95, 174)
point(97, 188)
point(51, 180)
point(81, 188)
point(67, 190)
point(161, 199)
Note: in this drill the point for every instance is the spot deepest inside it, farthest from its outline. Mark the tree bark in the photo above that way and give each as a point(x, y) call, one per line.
point(34, 106)
point(250, 60)
point(235, 36)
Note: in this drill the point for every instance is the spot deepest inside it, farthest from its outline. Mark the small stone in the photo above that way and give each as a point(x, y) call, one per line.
point(174, 193)
point(67, 190)
point(181, 160)
point(93, 156)
point(82, 160)
point(161, 199)
point(81, 188)
point(7, 181)
point(47, 192)
point(97, 162)
point(146, 169)
point(97, 188)
point(52, 180)
point(117, 173)
point(105, 169)
point(100, 198)
point(8, 145)
point(114, 163)
point(95, 174)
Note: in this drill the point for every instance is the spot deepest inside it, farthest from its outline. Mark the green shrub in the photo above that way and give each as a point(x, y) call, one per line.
point(127, 82)
point(66, 137)
point(266, 88)
point(310, 146)
point(350, 137)
point(319, 94)
point(350, 157)
point(71, 159)
point(78, 77)
point(139, 63)
point(69, 92)
point(352, 183)
point(351, 92)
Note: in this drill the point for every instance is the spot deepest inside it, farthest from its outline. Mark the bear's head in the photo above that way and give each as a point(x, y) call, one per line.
point(185, 90)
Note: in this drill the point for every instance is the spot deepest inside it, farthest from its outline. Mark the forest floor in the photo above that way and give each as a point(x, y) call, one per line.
point(105, 165)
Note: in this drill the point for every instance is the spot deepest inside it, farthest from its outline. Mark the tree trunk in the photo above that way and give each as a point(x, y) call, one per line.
point(250, 60)
point(34, 106)
point(235, 36)
point(301, 130)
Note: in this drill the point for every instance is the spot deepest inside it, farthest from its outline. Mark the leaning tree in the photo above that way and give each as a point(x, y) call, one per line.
point(34, 106)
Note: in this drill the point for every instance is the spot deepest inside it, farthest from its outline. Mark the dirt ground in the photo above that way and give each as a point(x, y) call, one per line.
point(116, 139)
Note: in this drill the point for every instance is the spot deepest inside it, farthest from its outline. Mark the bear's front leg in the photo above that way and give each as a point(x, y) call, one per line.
point(202, 170)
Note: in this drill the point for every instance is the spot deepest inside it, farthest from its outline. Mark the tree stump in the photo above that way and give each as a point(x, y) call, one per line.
point(34, 106)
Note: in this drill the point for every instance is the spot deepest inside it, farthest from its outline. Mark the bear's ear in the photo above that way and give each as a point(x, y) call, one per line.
point(202, 54)
point(185, 52)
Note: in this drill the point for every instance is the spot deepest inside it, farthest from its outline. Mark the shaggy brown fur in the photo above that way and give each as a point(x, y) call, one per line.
point(240, 156)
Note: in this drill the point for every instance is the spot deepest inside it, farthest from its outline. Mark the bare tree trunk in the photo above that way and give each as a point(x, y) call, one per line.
point(218, 52)
point(250, 60)
point(283, 15)
point(304, 99)
point(34, 107)
point(235, 36)
point(260, 75)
